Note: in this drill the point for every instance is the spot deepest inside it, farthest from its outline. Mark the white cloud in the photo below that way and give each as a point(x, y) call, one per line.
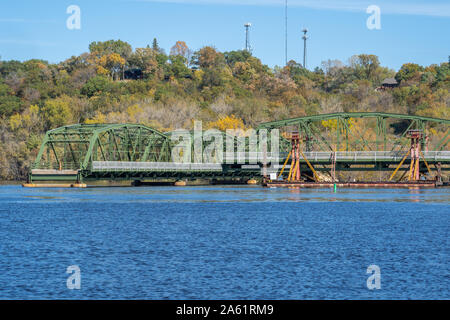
point(423, 8)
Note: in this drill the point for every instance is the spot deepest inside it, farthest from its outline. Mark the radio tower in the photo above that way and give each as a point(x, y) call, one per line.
point(247, 26)
point(305, 37)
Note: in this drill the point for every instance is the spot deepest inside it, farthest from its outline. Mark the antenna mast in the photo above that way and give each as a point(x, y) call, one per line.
point(247, 26)
point(305, 37)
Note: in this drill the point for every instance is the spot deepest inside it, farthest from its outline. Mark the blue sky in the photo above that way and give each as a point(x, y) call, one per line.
point(411, 30)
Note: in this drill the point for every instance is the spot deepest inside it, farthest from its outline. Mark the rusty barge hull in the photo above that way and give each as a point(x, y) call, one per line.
point(386, 185)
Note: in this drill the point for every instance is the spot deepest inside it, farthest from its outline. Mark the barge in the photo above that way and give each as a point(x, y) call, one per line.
point(361, 184)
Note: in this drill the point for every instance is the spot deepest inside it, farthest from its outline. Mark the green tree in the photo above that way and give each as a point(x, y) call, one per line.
point(297, 71)
point(96, 86)
point(231, 57)
point(145, 60)
point(7, 67)
point(208, 57)
point(408, 71)
point(365, 66)
point(443, 73)
point(120, 47)
point(9, 103)
point(178, 67)
point(156, 47)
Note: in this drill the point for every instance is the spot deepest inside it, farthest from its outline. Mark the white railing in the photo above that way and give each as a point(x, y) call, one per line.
point(153, 166)
point(374, 155)
point(347, 156)
point(256, 157)
point(248, 157)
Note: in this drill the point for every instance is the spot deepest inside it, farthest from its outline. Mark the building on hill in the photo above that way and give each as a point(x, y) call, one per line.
point(133, 74)
point(388, 83)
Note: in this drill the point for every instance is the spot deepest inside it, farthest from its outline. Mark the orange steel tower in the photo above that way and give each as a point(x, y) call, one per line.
point(415, 136)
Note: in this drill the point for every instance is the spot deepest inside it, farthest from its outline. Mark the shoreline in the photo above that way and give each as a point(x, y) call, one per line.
point(11, 182)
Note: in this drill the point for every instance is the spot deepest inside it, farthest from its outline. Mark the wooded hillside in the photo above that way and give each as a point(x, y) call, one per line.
point(113, 83)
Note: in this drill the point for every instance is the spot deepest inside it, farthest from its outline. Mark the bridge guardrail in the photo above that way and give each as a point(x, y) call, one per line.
point(253, 157)
point(374, 155)
point(154, 166)
point(348, 156)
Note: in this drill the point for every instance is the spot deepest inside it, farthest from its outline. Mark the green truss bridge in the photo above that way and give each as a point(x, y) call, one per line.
point(353, 141)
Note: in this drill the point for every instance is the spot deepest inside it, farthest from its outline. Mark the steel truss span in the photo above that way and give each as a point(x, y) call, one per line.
point(364, 131)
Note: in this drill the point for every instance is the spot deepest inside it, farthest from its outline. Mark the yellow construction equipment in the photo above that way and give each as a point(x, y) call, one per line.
point(284, 165)
point(400, 165)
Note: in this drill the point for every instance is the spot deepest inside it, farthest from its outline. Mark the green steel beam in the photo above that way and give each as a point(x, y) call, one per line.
point(287, 122)
point(443, 142)
point(381, 138)
point(41, 151)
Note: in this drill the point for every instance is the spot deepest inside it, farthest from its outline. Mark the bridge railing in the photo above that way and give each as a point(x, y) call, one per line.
point(373, 155)
point(153, 166)
point(253, 157)
point(250, 157)
point(256, 158)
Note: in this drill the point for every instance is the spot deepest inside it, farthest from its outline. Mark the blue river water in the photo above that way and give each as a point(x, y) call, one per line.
point(224, 242)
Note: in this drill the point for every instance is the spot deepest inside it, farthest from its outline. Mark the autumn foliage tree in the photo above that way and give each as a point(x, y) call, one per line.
point(227, 122)
point(181, 49)
point(111, 65)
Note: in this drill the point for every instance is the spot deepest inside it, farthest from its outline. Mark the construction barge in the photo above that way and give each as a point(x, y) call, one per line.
point(295, 177)
point(361, 184)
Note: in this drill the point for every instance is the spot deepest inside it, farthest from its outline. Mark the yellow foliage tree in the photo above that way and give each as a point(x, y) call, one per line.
point(331, 124)
point(133, 111)
point(57, 112)
point(111, 63)
point(102, 71)
point(97, 119)
point(228, 122)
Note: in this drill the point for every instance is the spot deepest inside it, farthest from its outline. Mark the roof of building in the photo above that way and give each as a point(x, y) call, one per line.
point(390, 81)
